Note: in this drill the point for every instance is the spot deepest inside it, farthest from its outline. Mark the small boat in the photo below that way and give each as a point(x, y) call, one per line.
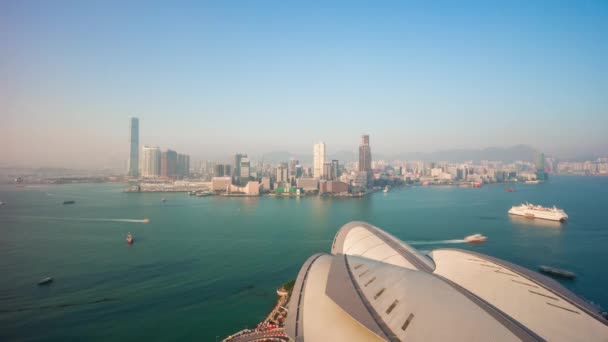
point(510, 189)
point(386, 189)
point(1, 204)
point(163, 200)
point(130, 239)
point(475, 238)
point(69, 202)
point(146, 220)
point(191, 193)
point(203, 194)
point(557, 272)
point(45, 281)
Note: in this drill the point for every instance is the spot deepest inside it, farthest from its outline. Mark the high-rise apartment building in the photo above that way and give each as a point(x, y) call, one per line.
point(335, 170)
point(236, 166)
point(218, 170)
point(282, 173)
point(326, 171)
point(183, 165)
point(540, 167)
point(168, 164)
point(318, 159)
point(365, 154)
point(133, 170)
point(245, 169)
point(151, 162)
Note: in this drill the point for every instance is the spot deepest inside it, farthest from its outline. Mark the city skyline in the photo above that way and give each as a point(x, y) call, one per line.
point(211, 79)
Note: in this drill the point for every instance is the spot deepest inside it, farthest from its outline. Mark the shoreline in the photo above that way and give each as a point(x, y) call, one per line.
point(272, 327)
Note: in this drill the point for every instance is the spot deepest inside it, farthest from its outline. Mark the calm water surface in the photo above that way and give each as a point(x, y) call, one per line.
point(207, 267)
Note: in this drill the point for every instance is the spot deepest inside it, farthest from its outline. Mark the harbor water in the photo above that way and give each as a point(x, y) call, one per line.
point(205, 267)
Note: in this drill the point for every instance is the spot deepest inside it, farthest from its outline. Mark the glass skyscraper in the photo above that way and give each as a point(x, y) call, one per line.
point(133, 170)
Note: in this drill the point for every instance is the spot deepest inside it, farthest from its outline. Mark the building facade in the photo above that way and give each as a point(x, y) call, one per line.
point(168, 164)
point(236, 166)
point(318, 160)
point(133, 170)
point(365, 154)
point(151, 162)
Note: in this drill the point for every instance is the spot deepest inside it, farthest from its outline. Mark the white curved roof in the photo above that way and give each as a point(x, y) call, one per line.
point(539, 304)
point(376, 288)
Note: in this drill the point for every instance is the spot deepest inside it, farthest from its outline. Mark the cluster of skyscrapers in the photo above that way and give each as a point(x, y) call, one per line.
point(291, 176)
point(154, 162)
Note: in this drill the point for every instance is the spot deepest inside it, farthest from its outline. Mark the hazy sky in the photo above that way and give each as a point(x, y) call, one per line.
point(212, 78)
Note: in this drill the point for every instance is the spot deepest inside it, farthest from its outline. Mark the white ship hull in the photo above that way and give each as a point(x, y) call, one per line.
point(536, 212)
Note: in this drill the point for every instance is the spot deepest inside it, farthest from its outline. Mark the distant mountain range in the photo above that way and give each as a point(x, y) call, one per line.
point(505, 154)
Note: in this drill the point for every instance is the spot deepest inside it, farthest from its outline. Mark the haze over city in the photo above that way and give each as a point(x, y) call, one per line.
point(215, 78)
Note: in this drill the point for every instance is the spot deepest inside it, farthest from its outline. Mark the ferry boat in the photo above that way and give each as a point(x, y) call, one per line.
point(532, 182)
point(556, 272)
point(536, 211)
point(475, 238)
point(45, 281)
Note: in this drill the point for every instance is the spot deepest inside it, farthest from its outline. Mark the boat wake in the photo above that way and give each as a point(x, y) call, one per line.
point(87, 219)
point(438, 242)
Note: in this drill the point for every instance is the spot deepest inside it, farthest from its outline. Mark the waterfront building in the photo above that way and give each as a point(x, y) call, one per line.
point(252, 188)
point(133, 167)
point(318, 159)
point(334, 187)
point(151, 162)
point(265, 184)
point(220, 184)
point(308, 184)
point(374, 287)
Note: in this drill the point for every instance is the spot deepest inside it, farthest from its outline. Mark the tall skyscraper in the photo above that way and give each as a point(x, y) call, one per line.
point(168, 164)
point(318, 159)
point(183, 165)
point(327, 171)
point(540, 167)
point(335, 170)
point(151, 162)
point(133, 170)
point(282, 173)
point(236, 166)
point(219, 170)
point(365, 154)
point(245, 169)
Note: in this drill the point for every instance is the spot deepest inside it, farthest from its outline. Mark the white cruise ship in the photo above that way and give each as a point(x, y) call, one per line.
point(536, 211)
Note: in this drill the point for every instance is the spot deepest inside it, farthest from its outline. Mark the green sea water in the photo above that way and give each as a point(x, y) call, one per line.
point(207, 267)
